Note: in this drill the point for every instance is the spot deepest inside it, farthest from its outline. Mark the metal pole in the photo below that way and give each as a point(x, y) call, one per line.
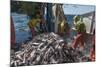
point(49, 16)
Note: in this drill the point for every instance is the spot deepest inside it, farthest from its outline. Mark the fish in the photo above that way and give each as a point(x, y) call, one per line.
point(44, 49)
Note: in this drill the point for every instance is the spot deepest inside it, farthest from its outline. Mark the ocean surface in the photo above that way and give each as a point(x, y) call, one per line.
point(21, 27)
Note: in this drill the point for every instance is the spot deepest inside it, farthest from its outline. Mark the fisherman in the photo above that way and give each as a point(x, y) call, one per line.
point(81, 30)
point(33, 22)
point(63, 27)
point(13, 38)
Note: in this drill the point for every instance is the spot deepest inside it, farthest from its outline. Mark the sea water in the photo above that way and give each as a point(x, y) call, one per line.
point(21, 27)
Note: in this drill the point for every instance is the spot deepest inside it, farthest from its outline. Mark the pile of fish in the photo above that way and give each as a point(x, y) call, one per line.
point(48, 48)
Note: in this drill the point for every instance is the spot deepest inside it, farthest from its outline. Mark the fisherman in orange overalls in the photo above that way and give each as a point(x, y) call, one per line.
point(81, 30)
point(13, 38)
